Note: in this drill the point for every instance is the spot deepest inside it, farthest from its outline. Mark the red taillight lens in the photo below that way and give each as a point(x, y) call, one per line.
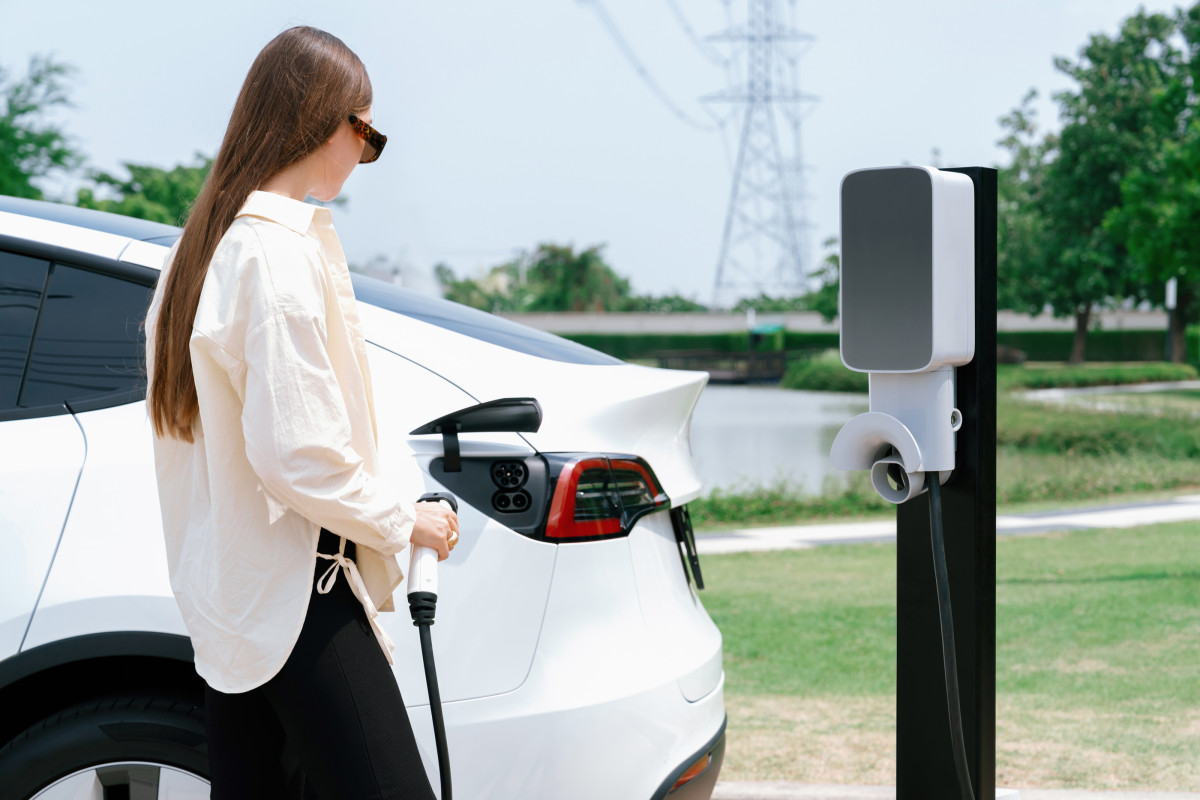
point(582, 506)
point(600, 497)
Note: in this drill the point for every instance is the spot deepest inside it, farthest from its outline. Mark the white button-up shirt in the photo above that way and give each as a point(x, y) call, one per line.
point(284, 445)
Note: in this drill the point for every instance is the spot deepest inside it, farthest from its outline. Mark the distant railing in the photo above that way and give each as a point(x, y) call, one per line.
point(726, 367)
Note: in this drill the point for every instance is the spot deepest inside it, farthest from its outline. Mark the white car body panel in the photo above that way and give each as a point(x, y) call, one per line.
point(488, 619)
point(70, 237)
point(110, 573)
point(43, 459)
point(597, 685)
point(525, 745)
point(685, 639)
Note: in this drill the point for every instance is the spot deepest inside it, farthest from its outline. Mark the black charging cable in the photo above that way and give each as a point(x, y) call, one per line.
point(435, 697)
point(949, 657)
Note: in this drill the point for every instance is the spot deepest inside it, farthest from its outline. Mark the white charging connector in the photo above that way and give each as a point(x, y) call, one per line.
point(422, 568)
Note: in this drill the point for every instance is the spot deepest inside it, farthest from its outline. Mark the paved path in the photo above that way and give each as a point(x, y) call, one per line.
point(1060, 395)
point(730, 790)
point(1176, 509)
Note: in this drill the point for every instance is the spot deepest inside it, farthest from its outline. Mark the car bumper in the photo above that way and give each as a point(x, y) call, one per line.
point(685, 783)
point(531, 745)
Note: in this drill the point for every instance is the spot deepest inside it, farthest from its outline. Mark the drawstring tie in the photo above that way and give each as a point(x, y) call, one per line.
point(329, 578)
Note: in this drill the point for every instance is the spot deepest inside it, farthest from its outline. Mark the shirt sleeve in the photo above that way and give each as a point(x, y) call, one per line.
point(298, 436)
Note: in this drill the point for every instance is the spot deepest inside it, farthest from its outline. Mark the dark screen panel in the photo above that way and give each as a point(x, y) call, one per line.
point(89, 340)
point(22, 280)
point(887, 269)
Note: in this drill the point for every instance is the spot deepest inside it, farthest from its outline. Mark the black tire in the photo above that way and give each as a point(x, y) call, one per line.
point(121, 729)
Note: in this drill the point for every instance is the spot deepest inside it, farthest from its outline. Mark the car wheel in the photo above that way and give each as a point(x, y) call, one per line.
point(132, 746)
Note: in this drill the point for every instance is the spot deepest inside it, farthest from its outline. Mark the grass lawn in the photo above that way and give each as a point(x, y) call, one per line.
point(1098, 660)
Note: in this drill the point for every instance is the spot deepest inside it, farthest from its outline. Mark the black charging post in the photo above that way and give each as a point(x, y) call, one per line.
point(924, 758)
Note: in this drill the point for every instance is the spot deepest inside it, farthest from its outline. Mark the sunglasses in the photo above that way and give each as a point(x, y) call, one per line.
point(373, 140)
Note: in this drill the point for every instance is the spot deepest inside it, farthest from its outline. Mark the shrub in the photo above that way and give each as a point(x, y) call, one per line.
point(1101, 345)
point(824, 373)
point(781, 503)
point(1059, 377)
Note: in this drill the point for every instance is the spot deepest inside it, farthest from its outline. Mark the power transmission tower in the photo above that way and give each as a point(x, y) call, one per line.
point(764, 247)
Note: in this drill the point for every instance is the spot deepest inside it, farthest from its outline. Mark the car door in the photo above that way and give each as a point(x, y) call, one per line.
point(41, 454)
point(109, 572)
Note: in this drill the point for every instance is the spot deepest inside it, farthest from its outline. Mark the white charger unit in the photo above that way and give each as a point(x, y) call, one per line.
point(907, 312)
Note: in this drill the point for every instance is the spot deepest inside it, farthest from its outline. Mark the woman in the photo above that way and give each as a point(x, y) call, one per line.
point(268, 474)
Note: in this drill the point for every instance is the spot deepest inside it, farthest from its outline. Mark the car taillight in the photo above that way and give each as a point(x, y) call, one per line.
point(557, 497)
point(599, 497)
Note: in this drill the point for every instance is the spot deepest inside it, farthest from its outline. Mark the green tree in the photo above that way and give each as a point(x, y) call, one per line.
point(568, 281)
point(1159, 214)
point(1023, 256)
point(556, 278)
point(1126, 105)
point(487, 293)
point(31, 147)
point(825, 299)
point(551, 278)
point(159, 195)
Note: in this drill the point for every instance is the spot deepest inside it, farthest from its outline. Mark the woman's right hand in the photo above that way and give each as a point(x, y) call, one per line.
point(436, 527)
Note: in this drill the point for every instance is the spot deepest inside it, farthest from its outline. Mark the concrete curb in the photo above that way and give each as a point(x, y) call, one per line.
point(779, 790)
point(793, 537)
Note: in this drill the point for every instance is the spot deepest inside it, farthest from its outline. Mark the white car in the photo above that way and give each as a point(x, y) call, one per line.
point(573, 653)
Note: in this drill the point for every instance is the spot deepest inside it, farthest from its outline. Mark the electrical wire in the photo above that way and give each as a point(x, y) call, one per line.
point(946, 618)
point(615, 33)
point(705, 49)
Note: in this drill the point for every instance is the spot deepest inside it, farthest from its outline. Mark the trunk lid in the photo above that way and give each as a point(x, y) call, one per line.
point(595, 407)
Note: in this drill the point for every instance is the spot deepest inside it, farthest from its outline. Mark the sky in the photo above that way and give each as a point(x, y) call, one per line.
point(515, 123)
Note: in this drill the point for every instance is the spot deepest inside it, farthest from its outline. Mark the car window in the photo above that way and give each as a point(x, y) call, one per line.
point(88, 342)
point(21, 282)
point(474, 323)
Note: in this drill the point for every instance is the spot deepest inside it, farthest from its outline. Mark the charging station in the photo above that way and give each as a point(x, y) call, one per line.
point(918, 312)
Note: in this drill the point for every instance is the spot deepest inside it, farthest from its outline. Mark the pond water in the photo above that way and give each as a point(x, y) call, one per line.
point(751, 436)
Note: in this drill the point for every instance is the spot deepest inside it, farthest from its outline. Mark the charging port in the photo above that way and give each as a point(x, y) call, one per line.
point(511, 502)
point(509, 474)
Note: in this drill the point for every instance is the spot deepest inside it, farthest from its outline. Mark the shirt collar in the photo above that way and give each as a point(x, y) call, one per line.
point(290, 213)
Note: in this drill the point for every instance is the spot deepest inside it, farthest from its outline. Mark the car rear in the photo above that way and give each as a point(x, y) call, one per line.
point(623, 696)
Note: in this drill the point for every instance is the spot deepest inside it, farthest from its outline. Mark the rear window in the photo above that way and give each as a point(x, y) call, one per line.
point(474, 323)
point(88, 341)
point(22, 280)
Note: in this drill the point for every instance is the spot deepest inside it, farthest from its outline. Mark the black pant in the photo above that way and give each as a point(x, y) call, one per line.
point(334, 711)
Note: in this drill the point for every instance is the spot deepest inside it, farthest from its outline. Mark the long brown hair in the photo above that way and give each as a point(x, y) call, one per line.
point(298, 91)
